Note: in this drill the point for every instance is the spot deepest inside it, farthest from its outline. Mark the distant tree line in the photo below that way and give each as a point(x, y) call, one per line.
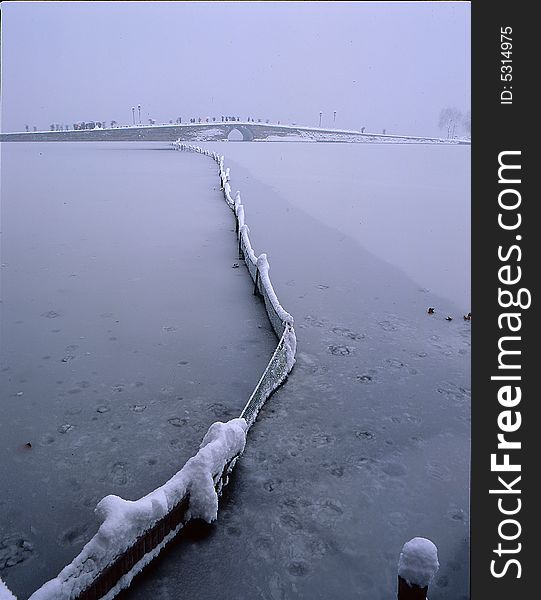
point(81, 125)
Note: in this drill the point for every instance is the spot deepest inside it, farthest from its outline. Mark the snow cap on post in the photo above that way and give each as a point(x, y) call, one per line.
point(418, 562)
point(5, 593)
point(222, 442)
point(240, 215)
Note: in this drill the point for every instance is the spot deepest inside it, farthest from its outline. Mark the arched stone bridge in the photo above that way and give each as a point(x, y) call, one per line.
point(215, 131)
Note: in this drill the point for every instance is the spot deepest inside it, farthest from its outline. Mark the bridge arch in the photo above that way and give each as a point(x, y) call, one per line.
point(234, 130)
point(235, 135)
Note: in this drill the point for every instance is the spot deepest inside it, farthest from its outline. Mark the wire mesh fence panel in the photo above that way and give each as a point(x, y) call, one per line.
point(274, 375)
point(274, 318)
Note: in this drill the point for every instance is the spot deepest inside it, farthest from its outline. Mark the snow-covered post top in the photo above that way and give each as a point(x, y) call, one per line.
point(239, 210)
point(417, 566)
point(222, 442)
point(227, 192)
point(243, 232)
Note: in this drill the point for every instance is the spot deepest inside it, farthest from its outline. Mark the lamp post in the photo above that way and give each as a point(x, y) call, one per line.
point(133, 114)
point(139, 109)
point(320, 115)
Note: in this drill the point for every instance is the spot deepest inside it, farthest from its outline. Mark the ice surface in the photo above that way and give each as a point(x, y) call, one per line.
point(125, 328)
point(409, 205)
point(367, 444)
point(418, 562)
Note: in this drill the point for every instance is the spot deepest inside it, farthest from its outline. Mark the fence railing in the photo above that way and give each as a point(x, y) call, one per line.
point(132, 534)
point(283, 358)
point(146, 547)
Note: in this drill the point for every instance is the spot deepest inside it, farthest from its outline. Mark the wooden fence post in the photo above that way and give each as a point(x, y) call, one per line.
point(413, 592)
point(256, 291)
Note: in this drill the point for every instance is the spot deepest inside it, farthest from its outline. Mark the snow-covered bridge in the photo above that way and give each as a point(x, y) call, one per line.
point(216, 131)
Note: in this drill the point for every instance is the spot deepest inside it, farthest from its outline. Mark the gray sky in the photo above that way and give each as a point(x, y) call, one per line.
point(379, 65)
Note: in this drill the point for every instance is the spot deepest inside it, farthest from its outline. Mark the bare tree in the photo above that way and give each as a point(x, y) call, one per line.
point(466, 122)
point(450, 117)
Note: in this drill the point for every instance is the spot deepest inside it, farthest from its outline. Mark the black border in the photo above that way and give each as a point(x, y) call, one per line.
point(498, 128)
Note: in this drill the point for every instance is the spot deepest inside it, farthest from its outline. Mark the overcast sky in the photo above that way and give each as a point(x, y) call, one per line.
point(379, 65)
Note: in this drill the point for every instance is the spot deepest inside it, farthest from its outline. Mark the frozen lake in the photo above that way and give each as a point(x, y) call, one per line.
point(367, 444)
point(125, 334)
point(409, 205)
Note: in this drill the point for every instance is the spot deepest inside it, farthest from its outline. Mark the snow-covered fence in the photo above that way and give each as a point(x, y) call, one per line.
point(417, 566)
point(132, 534)
point(283, 359)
